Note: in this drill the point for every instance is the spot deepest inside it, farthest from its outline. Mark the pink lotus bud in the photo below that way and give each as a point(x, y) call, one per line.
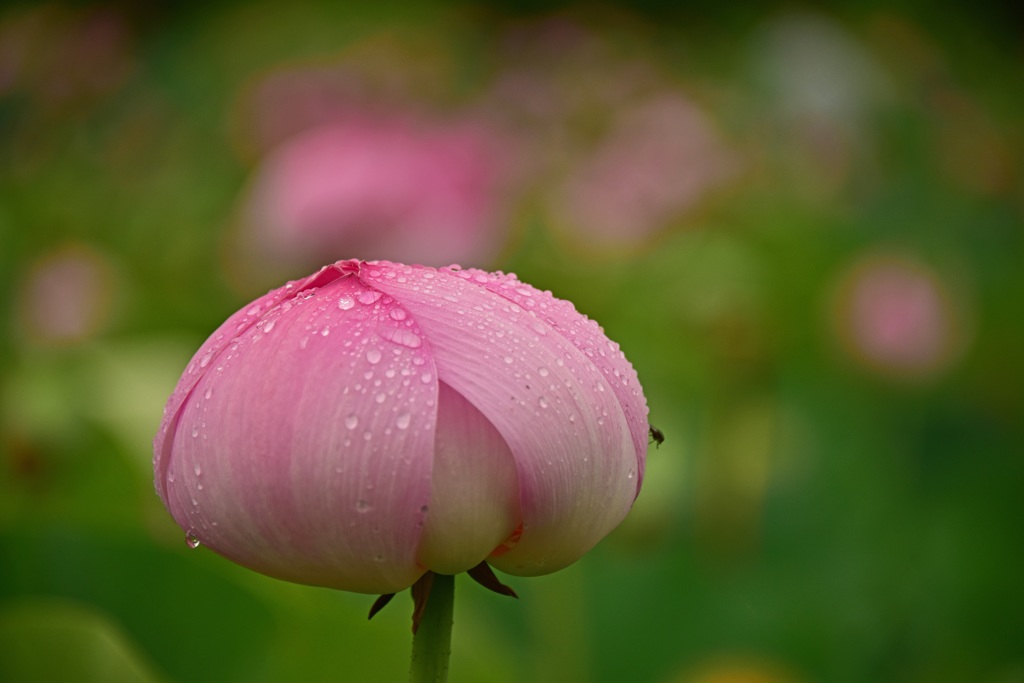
point(374, 421)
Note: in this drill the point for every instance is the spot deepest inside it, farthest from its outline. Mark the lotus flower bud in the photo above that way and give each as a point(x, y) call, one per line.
point(376, 421)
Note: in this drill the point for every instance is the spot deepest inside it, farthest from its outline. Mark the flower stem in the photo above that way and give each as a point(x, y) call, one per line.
point(432, 639)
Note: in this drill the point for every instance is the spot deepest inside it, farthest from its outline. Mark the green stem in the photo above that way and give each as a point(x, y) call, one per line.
point(432, 641)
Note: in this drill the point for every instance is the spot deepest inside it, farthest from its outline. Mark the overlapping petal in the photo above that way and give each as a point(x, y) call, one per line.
point(587, 336)
point(304, 448)
point(474, 503)
point(577, 461)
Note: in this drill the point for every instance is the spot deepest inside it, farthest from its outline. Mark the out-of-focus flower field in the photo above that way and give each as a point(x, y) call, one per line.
point(804, 228)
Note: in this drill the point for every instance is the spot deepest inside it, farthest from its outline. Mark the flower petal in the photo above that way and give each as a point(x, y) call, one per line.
point(232, 329)
point(474, 504)
point(304, 450)
point(577, 459)
point(587, 336)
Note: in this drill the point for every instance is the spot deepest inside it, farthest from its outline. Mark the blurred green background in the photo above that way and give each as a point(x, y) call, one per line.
point(803, 224)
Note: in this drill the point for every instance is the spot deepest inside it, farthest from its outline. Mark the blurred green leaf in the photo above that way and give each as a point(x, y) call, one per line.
point(58, 640)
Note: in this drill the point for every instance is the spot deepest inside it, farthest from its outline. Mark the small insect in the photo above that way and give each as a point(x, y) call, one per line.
point(657, 437)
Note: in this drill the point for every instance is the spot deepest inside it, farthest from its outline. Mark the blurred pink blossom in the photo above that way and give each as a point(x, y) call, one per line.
point(660, 158)
point(67, 295)
point(388, 188)
point(374, 421)
point(895, 315)
point(615, 147)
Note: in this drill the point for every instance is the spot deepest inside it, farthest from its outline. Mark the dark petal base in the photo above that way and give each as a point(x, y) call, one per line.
point(482, 574)
point(379, 604)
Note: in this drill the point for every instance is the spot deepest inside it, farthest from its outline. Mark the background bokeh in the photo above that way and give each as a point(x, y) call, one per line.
point(803, 223)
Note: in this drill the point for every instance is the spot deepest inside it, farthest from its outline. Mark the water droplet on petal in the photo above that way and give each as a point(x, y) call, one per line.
point(407, 338)
point(346, 302)
point(373, 356)
point(362, 506)
point(269, 326)
point(403, 420)
point(191, 540)
point(352, 421)
point(397, 314)
point(401, 336)
point(369, 296)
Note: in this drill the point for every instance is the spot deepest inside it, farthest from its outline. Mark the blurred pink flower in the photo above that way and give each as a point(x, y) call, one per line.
point(67, 295)
point(374, 421)
point(895, 315)
point(659, 159)
point(616, 149)
point(388, 188)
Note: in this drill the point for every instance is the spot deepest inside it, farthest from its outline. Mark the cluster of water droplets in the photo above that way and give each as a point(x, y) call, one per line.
point(585, 334)
point(196, 392)
point(394, 396)
point(392, 331)
point(514, 324)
